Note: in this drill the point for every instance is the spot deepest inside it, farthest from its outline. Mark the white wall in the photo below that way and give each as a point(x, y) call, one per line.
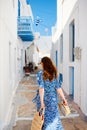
point(8, 58)
point(25, 9)
point(83, 44)
point(32, 54)
point(44, 44)
point(67, 12)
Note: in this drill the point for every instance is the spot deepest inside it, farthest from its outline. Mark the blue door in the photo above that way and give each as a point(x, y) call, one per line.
point(71, 76)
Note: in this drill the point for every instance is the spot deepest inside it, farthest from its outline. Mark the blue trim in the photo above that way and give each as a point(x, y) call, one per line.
point(73, 40)
point(56, 58)
point(61, 48)
point(60, 77)
point(27, 37)
point(73, 81)
point(18, 8)
point(25, 28)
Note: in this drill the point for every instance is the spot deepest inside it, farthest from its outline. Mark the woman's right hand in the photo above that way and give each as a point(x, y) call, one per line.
point(42, 106)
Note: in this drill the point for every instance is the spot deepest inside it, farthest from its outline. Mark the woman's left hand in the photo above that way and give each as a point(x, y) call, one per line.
point(42, 108)
point(65, 102)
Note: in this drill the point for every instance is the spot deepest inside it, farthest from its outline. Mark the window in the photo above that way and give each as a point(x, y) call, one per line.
point(71, 81)
point(61, 48)
point(71, 41)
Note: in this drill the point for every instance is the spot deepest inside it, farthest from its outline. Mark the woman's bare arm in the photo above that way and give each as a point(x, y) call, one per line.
point(60, 92)
point(41, 93)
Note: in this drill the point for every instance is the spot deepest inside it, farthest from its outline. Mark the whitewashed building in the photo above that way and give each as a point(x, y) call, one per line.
point(44, 44)
point(69, 48)
point(10, 55)
point(32, 54)
point(12, 58)
point(39, 48)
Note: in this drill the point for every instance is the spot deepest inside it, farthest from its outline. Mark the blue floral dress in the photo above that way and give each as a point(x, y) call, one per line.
point(51, 115)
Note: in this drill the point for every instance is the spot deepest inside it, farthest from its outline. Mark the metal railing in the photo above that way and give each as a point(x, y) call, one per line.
point(24, 24)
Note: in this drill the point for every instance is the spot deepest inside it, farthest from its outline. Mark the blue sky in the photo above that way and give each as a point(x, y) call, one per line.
point(44, 12)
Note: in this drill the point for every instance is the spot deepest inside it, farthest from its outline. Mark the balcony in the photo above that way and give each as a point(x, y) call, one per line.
point(25, 28)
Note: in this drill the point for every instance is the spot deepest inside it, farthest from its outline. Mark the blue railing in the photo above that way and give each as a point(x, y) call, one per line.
point(25, 28)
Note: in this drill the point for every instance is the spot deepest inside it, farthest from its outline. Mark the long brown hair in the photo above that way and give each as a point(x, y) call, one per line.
point(49, 70)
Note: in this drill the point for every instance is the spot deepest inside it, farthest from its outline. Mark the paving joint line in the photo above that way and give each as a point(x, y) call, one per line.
point(31, 118)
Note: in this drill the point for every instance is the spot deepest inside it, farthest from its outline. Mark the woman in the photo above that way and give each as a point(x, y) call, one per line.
point(48, 89)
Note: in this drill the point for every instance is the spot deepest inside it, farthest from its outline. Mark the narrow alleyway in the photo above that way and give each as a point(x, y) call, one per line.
point(25, 109)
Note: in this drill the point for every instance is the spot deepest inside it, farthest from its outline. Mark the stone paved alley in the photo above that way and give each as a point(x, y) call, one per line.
point(25, 109)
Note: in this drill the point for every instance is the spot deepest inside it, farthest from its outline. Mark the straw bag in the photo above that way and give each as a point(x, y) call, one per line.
point(64, 108)
point(37, 121)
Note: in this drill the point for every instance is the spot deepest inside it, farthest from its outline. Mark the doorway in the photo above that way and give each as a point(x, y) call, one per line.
point(71, 81)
